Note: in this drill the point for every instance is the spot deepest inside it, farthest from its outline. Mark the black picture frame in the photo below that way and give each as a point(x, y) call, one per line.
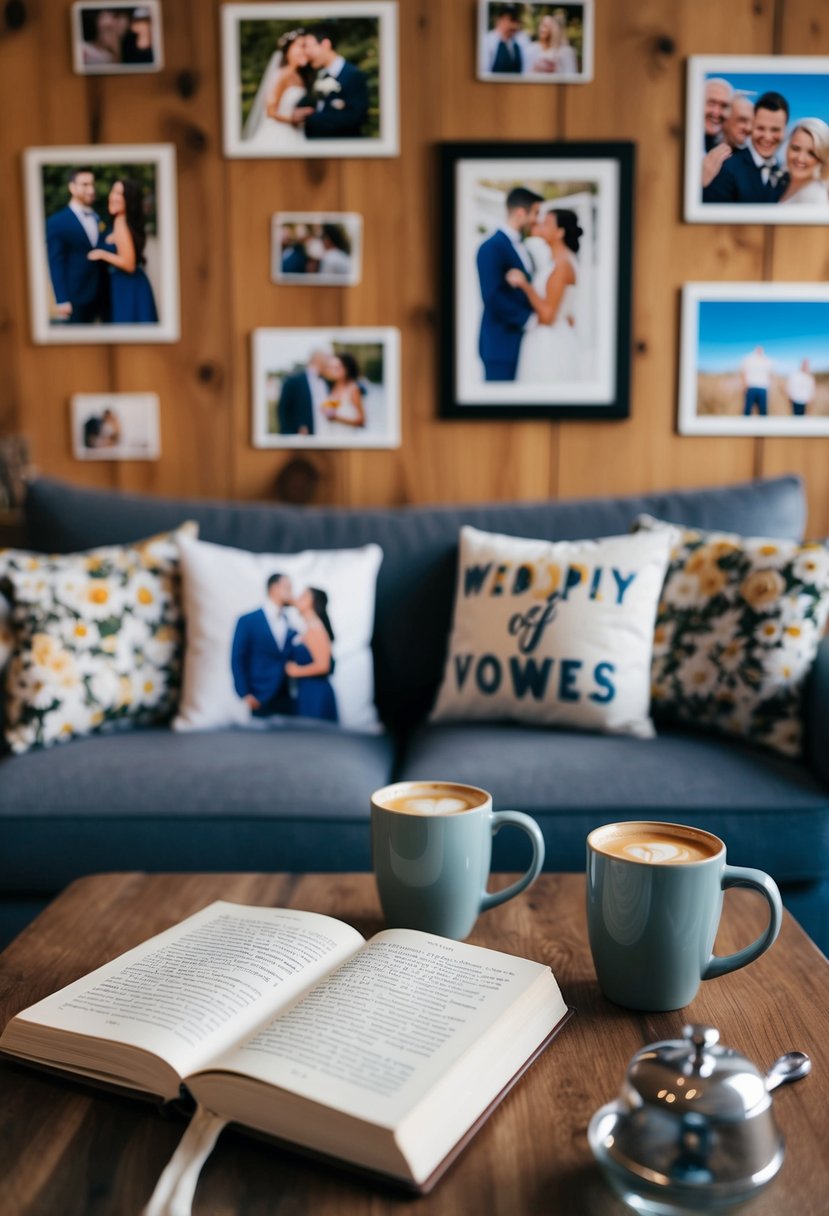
point(474, 180)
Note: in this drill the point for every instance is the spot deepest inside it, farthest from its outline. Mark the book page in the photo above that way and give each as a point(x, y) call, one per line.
point(189, 993)
point(378, 1032)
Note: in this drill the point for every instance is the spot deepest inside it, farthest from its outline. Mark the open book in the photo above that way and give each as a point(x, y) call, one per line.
point(387, 1054)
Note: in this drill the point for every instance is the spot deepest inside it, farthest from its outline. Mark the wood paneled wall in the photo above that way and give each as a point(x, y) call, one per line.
point(225, 207)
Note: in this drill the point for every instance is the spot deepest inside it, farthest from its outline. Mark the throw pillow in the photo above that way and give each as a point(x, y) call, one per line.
point(557, 633)
point(96, 640)
point(738, 628)
point(274, 637)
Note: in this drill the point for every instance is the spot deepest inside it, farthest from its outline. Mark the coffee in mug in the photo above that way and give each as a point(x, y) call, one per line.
point(654, 897)
point(432, 850)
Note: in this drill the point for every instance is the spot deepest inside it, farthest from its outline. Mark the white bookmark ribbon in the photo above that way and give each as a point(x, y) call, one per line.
point(175, 1189)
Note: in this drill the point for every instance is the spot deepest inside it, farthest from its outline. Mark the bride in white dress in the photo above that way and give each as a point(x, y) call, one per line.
point(268, 127)
point(343, 406)
point(550, 350)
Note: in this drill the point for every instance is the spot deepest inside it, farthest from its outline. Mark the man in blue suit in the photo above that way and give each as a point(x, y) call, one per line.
point(336, 106)
point(753, 174)
point(80, 286)
point(506, 309)
point(262, 644)
point(301, 395)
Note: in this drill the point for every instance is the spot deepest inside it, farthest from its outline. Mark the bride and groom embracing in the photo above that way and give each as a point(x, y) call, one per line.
point(308, 91)
point(529, 276)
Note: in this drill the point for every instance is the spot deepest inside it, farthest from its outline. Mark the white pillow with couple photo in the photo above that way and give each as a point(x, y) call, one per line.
point(272, 638)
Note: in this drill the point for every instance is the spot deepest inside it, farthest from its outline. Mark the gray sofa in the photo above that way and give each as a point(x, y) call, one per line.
point(154, 800)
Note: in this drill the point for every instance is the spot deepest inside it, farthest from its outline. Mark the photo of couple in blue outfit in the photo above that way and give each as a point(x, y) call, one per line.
point(282, 655)
point(96, 258)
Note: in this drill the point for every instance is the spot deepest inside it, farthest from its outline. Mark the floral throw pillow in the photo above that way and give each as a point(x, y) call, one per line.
point(96, 639)
point(737, 630)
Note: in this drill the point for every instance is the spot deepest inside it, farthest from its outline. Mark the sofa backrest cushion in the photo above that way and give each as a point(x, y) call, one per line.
point(420, 546)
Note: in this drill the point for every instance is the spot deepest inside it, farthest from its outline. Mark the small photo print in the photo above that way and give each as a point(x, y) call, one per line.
point(537, 43)
point(111, 39)
point(102, 243)
point(310, 79)
point(316, 248)
point(115, 426)
point(757, 148)
point(755, 359)
point(326, 388)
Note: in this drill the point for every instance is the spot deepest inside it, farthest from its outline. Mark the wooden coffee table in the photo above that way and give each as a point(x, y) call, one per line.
point(68, 1150)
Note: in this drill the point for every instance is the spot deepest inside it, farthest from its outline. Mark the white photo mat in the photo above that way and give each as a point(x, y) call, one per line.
point(582, 77)
point(353, 224)
point(138, 417)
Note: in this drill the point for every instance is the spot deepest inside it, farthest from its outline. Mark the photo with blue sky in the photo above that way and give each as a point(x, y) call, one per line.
point(788, 330)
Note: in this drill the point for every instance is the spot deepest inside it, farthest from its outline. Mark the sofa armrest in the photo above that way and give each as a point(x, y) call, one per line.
point(816, 711)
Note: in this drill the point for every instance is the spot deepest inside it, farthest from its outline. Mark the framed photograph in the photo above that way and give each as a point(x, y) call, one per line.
point(115, 426)
point(317, 248)
point(757, 133)
point(536, 266)
point(326, 388)
point(755, 359)
point(110, 39)
point(102, 243)
point(536, 43)
point(310, 79)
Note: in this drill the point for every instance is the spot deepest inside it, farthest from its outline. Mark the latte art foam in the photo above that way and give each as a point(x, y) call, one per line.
point(655, 845)
point(431, 798)
point(418, 805)
point(660, 852)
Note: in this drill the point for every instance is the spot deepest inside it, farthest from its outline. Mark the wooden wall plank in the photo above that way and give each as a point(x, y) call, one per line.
point(225, 209)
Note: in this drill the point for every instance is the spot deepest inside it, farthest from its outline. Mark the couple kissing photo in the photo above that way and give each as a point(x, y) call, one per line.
point(282, 657)
point(310, 80)
point(537, 254)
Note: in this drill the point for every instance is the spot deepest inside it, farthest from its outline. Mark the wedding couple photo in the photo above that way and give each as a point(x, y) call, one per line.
point(112, 39)
point(755, 359)
point(537, 276)
point(103, 244)
point(320, 388)
point(758, 140)
point(310, 79)
point(115, 426)
point(316, 248)
point(538, 43)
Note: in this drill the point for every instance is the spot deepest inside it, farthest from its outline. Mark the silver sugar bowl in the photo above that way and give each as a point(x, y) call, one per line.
point(692, 1129)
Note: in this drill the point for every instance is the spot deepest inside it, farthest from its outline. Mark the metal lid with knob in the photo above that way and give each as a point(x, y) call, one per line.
point(693, 1125)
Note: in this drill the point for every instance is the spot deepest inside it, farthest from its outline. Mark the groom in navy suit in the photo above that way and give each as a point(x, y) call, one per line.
point(300, 393)
point(262, 645)
point(80, 286)
point(506, 309)
point(753, 174)
point(336, 105)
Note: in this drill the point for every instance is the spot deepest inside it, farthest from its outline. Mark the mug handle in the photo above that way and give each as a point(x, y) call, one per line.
point(528, 825)
point(738, 876)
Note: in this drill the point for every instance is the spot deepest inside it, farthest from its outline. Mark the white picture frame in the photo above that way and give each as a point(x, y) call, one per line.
point(347, 253)
point(134, 434)
point(88, 59)
point(246, 130)
point(722, 325)
point(802, 80)
point(280, 354)
point(569, 63)
point(45, 170)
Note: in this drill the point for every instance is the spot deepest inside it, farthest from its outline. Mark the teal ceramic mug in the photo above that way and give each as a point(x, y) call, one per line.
point(431, 844)
point(654, 897)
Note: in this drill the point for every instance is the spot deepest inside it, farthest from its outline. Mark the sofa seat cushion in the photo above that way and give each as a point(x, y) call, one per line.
point(772, 813)
point(290, 799)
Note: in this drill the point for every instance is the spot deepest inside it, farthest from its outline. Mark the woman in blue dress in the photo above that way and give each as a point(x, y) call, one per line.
point(123, 250)
point(311, 658)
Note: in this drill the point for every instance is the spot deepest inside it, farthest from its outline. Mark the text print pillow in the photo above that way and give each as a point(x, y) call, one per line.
point(557, 633)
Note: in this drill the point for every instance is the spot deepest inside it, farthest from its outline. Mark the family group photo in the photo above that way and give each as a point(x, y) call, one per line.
point(542, 43)
point(537, 277)
point(316, 249)
point(102, 244)
point(310, 80)
point(755, 359)
point(108, 39)
point(326, 388)
point(758, 138)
